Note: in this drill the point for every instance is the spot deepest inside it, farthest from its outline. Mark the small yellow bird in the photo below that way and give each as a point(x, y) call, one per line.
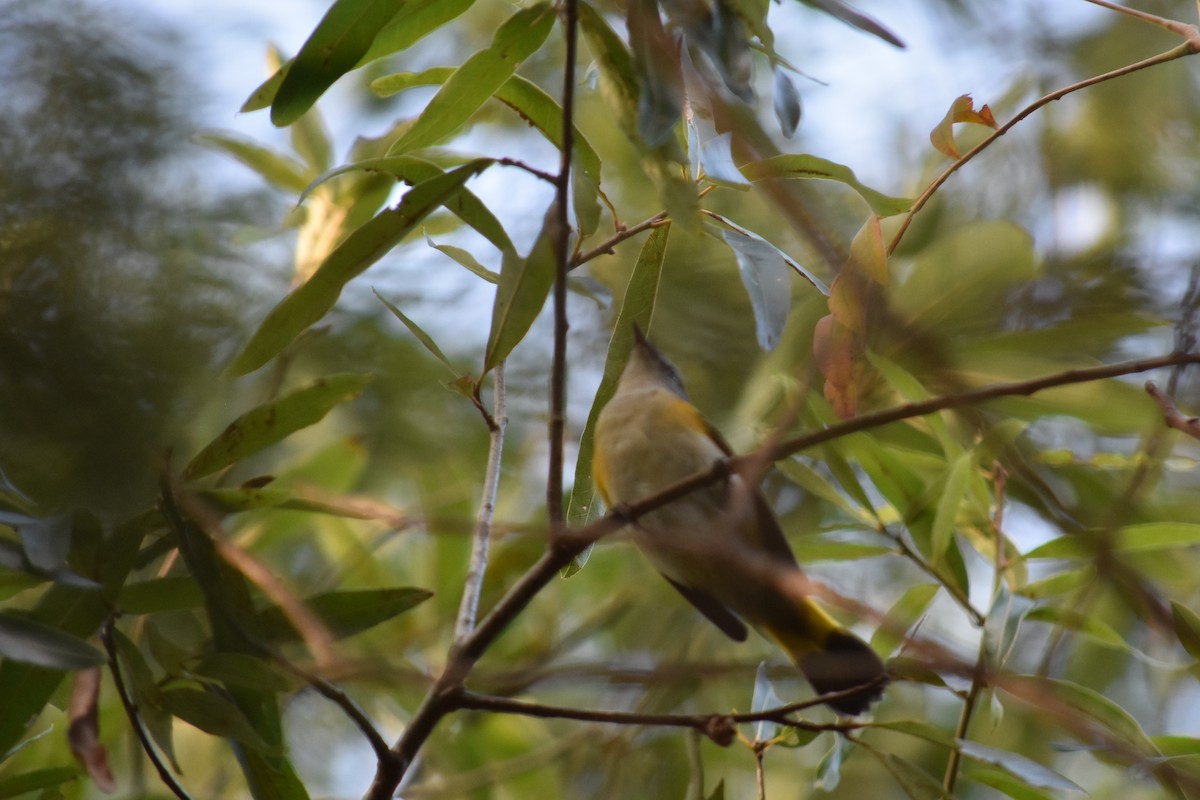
point(712, 544)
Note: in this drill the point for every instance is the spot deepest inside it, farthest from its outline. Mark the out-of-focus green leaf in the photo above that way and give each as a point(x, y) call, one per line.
point(1090, 626)
point(276, 168)
point(160, 594)
point(718, 792)
point(1004, 619)
point(362, 248)
point(829, 769)
point(637, 308)
point(1005, 783)
point(345, 612)
point(919, 729)
point(656, 57)
point(806, 166)
point(212, 713)
point(617, 80)
point(31, 642)
point(1019, 766)
point(955, 489)
point(799, 472)
point(239, 669)
point(1187, 628)
point(855, 18)
point(335, 46)
point(272, 422)
point(410, 169)
point(1143, 538)
point(787, 103)
point(810, 549)
point(916, 783)
point(25, 782)
point(524, 285)
point(1058, 583)
point(478, 78)
point(1120, 723)
point(901, 616)
point(424, 338)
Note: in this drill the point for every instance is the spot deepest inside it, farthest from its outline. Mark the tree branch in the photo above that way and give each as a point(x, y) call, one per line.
point(606, 247)
point(1172, 416)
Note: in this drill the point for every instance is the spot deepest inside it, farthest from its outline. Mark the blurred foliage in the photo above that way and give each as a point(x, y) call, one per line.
point(332, 487)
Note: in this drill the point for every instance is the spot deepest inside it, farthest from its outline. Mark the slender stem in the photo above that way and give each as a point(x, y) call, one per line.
point(1190, 47)
point(1184, 30)
point(135, 719)
point(606, 247)
point(482, 535)
point(558, 370)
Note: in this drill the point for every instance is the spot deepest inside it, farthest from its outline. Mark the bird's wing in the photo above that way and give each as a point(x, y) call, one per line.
point(716, 613)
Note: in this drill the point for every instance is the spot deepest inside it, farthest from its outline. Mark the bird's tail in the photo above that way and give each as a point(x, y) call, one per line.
point(832, 658)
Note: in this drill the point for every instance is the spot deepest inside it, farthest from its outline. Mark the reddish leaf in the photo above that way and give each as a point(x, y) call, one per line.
point(961, 110)
point(836, 350)
point(868, 254)
point(83, 732)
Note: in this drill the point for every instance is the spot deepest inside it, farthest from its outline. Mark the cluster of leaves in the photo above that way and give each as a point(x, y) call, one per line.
point(1042, 535)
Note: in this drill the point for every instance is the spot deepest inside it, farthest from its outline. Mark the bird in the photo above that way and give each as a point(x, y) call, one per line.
point(720, 546)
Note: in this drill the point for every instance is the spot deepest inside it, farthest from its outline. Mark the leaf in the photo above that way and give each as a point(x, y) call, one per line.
point(811, 549)
point(715, 153)
point(465, 259)
point(836, 350)
point(30, 642)
point(362, 248)
point(637, 308)
point(83, 729)
point(335, 46)
point(424, 338)
point(410, 169)
point(272, 422)
point(919, 729)
point(1004, 620)
point(160, 594)
point(276, 168)
point(478, 78)
point(914, 781)
point(911, 606)
point(212, 713)
point(764, 698)
point(829, 770)
point(346, 612)
point(24, 783)
point(868, 253)
point(953, 495)
point(961, 110)
point(239, 669)
point(855, 18)
point(660, 82)
point(1005, 783)
point(786, 102)
point(1041, 692)
point(1143, 538)
point(1187, 628)
point(1018, 765)
point(1058, 583)
point(806, 166)
point(524, 285)
point(1091, 626)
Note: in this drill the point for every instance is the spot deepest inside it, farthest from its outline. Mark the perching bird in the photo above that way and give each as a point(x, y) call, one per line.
point(720, 546)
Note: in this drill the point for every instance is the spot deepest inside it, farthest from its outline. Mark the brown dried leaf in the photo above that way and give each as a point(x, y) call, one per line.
point(836, 350)
point(83, 732)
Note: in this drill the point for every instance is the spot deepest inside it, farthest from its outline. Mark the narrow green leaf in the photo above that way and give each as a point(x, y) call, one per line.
point(916, 783)
point(26, 782)
point(212, 713)
point(1019, 766)
point(346, 612)
point(1082, 700)
point(31, 642)
point(424, 338)
point(1094, 628)
point(362, 248)
point(801, 473)
point(240, 669)
point(1004, 619)
point(806, 166)
point(160, 594)
point(901, 617)
point(388, 85)
point(276, 168)
point(952, 497)
point(656, 58)
point(919, 729)
point(810, 549)
point(478, 78)
point(1187, 628)
point(341, 38)
point(412, 170)
point(855, 18)
point(764, 272)
point(1005, 783)
point(1143, 538)
point(524, 285)
point(637, 308)
point(272, 422)
point(465, 259)
point(1058, 583)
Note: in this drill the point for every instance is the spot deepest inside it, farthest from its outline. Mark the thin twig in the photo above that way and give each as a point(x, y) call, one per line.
point(1172, 416)
point(482, 535)
point(606, 247)
point(1180, 28)
point(534, 171)
point(135, 719)
point(344, 702)
point(1190, 47)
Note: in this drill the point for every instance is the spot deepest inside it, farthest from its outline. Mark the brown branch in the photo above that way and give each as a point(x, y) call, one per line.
point(135, 719)
point(606, 247)
point(1172, 416)
point(1190, 47)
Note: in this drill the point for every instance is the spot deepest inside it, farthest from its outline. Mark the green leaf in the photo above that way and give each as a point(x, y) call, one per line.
point(810, 549)
point(346, 612)
point(410, 169)
point(1144, 538)
point(1187, 628)
point(341, 38)
point(1004, 619)
point(239, 669)
point(1005, 783)
point(764, 697)
point(160, 594)
point(1019, 766)
point(1081, 700)
point(958, 481)
point(656, 58)
point(31, 642)
point(478, 78)
point(914, 781)
point(1058, 583)
point(1091, 626)
point(362, 248)
point(919, 729)
point(787, 103)
point(276, 168)
point(637, 308)
point(212, 713)
point(806, 166)
point(275, 421)
point(801, 473)
point(26, 782)
point(901, 617)
point(424, 338)
point(524, 285)
point(465, 260)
